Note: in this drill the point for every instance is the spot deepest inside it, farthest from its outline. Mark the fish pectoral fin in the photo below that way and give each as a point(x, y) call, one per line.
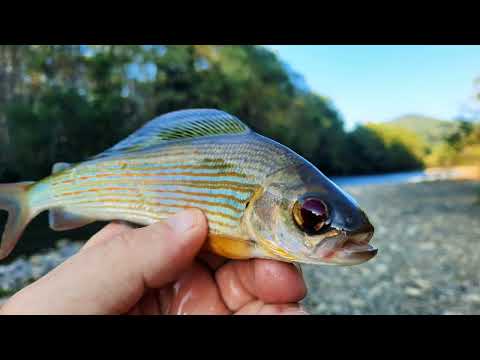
point(61, 220)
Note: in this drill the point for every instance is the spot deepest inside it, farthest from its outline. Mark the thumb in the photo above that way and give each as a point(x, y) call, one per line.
point(110, 277)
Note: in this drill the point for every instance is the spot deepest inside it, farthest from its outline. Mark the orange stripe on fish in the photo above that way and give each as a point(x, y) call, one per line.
point(236, 186)
point(160, 204)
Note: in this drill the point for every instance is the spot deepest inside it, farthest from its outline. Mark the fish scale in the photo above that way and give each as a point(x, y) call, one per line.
point(223, 202)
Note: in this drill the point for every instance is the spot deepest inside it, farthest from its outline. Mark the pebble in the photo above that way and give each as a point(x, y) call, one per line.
point(381, 268)
point(358, 302)
point(426, 246)
point(473, 298)
point(413, 291)
point(22, 271)
point(424, 284)
point(447, 312)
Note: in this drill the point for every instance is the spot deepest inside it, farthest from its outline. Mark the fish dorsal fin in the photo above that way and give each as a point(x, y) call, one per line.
point(177, 125)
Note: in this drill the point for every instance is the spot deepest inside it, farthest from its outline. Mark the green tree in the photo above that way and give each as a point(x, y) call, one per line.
point(57, 98)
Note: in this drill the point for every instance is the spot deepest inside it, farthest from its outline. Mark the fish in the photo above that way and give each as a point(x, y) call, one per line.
point(261, 199)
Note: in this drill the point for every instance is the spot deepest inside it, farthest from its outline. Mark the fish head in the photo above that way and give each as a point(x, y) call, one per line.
point(302, 216)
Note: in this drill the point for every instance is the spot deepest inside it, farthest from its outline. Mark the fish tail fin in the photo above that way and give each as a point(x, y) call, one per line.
point(14, 199)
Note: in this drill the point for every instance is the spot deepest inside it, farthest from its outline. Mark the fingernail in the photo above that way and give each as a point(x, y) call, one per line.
point(183, 221)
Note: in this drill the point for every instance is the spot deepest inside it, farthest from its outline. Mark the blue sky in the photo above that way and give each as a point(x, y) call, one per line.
point(378, 83)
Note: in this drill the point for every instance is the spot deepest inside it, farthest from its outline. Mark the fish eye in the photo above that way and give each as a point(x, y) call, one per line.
point(310, 214)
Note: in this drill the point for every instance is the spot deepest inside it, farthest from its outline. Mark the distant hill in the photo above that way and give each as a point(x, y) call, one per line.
point(432, 130)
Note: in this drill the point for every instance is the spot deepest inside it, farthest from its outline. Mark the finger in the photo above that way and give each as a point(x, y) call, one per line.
point(194, 293)
point(278, 282)
point(260, 308)
point(274, 282)
point(148, 305)
point(107, 233)
point(110, 278)
point(233, 288)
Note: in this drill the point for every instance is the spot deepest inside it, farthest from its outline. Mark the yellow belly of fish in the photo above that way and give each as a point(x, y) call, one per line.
point(230, 247)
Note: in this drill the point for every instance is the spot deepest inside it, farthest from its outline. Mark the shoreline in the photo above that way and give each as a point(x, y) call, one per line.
point(468, 172)
point(427, 175)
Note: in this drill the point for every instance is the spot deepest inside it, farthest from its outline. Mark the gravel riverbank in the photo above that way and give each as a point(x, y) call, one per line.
point(23, 271)
point(428, 235)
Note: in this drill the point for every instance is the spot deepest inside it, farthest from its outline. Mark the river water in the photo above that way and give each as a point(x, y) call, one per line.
point(392, 178)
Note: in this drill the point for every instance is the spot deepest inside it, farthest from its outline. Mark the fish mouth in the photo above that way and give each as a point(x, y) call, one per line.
point(352, 253)
point(346, 248)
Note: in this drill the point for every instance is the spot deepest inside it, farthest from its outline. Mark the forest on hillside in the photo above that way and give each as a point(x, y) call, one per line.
point(64, 103)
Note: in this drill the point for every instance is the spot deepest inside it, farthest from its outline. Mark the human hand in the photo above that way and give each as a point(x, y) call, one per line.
point(153, 270)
